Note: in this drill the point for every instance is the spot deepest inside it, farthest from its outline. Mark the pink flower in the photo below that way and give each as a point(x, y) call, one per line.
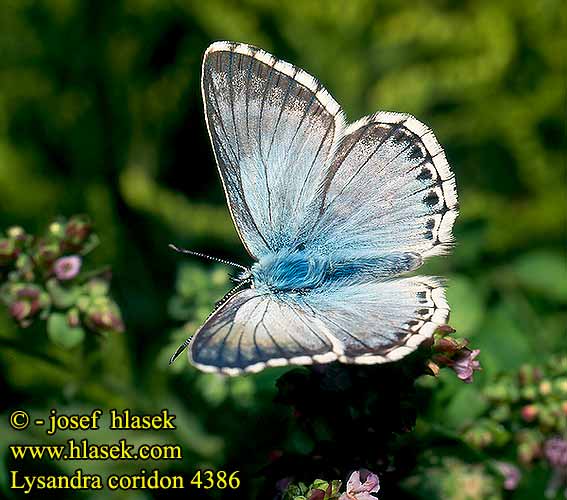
point(555, 451)
point(511, 473)
point(67, 268)
point(357, 490)
point(465, 364)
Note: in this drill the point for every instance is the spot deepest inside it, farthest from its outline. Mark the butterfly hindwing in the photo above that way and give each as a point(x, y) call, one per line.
point(378, 322)
point(252, 331)
point(362, 323)
point(273, 128)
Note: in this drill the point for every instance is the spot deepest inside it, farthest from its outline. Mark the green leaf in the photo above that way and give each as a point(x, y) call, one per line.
point(466, 405)
point(544, 272)
point(61, 296)
point(61, 333)
point(503, 345)
point(467, 305)
point(319, 484)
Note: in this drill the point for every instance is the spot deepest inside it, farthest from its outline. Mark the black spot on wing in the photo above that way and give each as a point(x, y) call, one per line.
point(424, 175)
point(401, 135)
point(431, 199)
point(415, 153)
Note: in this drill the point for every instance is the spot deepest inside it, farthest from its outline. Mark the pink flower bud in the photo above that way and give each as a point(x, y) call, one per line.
point(446, 345)
point(20, 310)
point(76, 232)
point(317, 494)
point(105, 320)
point(446, 329)
point(28, 293)
point(529, 413)
point(73, 318)
point(8, 251)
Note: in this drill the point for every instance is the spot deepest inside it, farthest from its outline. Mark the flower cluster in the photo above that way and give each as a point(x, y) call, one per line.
point(42, 277)
point(527, 413)
point(453, 353)
point(452, 478)
point(555, 452)
point(360, 486)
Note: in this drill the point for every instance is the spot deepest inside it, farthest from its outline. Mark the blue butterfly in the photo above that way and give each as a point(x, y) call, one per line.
point(331, 213)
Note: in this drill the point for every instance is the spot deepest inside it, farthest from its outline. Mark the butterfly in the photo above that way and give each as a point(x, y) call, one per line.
point(333, 215)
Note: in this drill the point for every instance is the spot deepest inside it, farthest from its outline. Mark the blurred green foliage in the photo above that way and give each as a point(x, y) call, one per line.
point(100, 113)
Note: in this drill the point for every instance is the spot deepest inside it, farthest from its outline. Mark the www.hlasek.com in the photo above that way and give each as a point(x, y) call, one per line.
point(83, 449)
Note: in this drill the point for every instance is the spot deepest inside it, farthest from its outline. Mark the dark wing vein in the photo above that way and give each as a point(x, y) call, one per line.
point(291, 81)
point(231, 95)
point(386, 137)
point(261, 156)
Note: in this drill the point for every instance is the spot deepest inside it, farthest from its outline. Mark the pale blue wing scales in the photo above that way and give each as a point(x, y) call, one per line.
point(389, 189)
point(372, 323)
point(252, 331)
point(363, 323)
point(273, 128)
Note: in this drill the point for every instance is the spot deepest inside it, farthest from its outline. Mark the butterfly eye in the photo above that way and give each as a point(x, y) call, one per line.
point(300, 247)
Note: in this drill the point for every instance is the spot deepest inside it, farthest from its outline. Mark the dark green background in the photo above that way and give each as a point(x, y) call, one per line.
point(101, 113)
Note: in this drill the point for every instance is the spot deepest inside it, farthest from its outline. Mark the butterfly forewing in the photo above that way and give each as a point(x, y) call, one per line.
point(273, 128)
point(389, 189)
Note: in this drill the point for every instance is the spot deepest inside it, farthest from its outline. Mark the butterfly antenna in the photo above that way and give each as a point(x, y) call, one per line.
point(180, 349)
point(205, 256)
